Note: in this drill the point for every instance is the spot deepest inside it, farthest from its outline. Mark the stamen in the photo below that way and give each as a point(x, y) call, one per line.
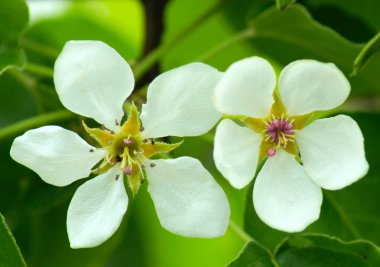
point(108, 159)
point(128, 142)
point(141, 171)
point(127, 170)
point(271, 152)
point(279, 131)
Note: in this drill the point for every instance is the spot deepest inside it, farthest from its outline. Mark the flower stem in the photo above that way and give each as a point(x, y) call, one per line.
point(240, 232)
point(147, 62)
point(241, 36)
point(26, 124)
point(39, 70)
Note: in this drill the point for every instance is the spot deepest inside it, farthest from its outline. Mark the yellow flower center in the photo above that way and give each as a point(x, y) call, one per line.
point(127, 148)
point(278, 130)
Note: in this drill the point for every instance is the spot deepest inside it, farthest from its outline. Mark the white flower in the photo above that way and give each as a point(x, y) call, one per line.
point(93, 80)
point(303, 157)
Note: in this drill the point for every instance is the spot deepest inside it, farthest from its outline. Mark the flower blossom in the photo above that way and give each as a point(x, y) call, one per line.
point(93, 80)
point(303, 154)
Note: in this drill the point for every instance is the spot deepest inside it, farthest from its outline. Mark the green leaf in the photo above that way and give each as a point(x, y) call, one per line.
point(368, 51)
point(355, 20)
point(281, 4)
point(13, 20)
point(311, 250)
point(253, 255)
point(300, 36)
point(350, 213)
point(181, 13)
point(74, 26)
point(324, 251)
point(10, 255)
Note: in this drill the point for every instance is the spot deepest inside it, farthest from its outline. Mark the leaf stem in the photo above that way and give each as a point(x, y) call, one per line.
point(39, 70)
point(366, 53)
point(29, 123)
point(239, 37)
point(147, 62)
point(240, 232)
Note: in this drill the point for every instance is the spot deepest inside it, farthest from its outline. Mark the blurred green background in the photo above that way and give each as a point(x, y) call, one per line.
point(212, 31)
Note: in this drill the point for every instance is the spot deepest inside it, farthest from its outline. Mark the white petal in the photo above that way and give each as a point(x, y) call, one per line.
point(236, 152)
point(284, 196)
point(179, 102)
point(332, 151)
point(309, 85)
point(57, 155)
point(188, 201)
point(246, 88)
point(97, 209)
point(93, 80)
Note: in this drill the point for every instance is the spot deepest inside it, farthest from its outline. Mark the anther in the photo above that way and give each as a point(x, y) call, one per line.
point(117, 177)
point(128, 142)
point(152, 165)
point(91, 150)
point(145, 141)
point(152, 141)
point(142, 129)
point(117, 122)
point(127, 170)
point(271, 152)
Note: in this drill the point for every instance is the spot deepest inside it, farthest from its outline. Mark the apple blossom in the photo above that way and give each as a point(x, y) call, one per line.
point(303, 155)
point(93, 80)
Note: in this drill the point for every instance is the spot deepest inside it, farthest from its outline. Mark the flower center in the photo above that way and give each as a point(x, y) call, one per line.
point(126, 147)
point(279, 131)
point(122, 148)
